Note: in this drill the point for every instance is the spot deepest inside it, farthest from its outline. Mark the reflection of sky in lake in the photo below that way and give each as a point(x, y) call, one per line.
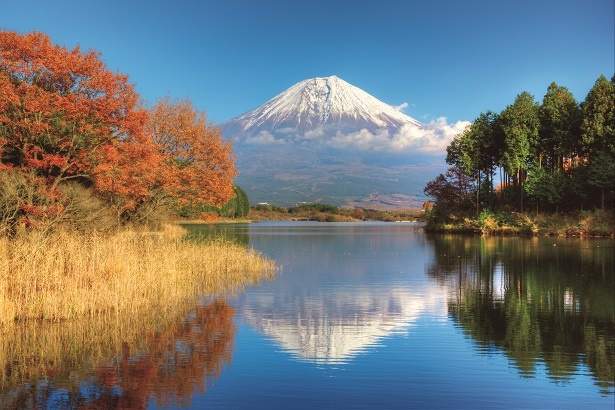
point(340, 293)
point(377, 315)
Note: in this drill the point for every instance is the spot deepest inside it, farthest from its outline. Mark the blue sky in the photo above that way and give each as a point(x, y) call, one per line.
point(444, 58)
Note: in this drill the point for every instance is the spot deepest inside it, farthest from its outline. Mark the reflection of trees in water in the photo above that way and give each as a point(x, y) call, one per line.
point(169, 366)
point(548, 300)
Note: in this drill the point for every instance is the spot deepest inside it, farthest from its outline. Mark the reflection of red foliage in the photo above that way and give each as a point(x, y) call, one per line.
point(178, 362)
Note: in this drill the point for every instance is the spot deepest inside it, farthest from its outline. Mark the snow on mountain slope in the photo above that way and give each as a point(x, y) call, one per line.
point(320, 102)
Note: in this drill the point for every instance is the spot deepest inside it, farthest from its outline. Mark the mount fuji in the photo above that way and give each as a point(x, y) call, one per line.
point(325, 140)
point(328, 102)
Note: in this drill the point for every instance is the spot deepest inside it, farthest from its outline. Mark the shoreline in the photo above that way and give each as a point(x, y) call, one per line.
point(588, 224)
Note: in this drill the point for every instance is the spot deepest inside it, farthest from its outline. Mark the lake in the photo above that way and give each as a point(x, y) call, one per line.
point(371, 315)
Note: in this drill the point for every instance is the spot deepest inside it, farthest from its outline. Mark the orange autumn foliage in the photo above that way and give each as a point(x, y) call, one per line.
point(65, 116)
point(60, 106)
point(199, 166)
point(129, 176)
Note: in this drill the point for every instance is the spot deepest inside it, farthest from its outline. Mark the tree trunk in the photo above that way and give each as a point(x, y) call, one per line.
point(520, 184)
point(478, 194)
point(602, 198)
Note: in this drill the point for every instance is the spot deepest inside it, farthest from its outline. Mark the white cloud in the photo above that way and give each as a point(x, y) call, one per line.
point(430, 138)
point(313, 134)
point(362, 140)
point(401, 107)
point(264, 138)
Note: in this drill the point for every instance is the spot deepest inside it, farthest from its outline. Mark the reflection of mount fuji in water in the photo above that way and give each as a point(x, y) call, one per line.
point(343, 289)
point(335, 327)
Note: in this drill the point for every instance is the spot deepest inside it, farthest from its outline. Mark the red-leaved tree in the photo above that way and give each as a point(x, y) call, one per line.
point(60, 111)
point(65, 116)
point(59, 107)
point(199, 165)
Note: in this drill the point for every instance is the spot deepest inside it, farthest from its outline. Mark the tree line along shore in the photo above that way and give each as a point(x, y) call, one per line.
point(534, 168)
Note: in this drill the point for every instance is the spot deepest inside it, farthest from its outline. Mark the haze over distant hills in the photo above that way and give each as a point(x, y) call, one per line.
point(324, 140)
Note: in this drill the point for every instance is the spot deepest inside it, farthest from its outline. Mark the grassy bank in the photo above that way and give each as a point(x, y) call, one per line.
point(71, 275)
point(583, 224)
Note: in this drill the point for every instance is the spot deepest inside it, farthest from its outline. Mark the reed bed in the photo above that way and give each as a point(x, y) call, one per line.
point(70, 275)
point(70, 302)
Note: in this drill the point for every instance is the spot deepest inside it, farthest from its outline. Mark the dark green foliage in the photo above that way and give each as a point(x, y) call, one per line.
point(237, 207)
point(313, 207)
point(598, 125)
point(601, 174)
point(555, 156)
point(560, 127)
point(520, 125)
point(545, 187)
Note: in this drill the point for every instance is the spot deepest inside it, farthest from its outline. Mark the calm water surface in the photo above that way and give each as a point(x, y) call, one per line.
point(377, 315)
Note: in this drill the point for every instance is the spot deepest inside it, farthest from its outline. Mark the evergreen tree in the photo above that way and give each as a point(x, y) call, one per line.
point(520, 126)
point(598, 125)
point(601, 173)
point(476, 152)
point(560, 122)
point(598, 134)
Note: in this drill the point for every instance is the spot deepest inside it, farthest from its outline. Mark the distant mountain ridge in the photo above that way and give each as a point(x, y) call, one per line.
point(325, 140)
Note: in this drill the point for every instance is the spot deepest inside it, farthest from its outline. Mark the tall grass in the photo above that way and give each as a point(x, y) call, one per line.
point(72, 275)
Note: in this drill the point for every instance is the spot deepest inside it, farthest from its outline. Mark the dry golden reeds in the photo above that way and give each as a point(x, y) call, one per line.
point(71, 275)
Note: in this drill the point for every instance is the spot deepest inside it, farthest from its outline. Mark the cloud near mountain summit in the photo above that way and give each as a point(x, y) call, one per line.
point(430, 138)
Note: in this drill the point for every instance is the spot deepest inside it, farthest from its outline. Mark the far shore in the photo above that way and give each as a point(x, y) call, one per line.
point(588, 224)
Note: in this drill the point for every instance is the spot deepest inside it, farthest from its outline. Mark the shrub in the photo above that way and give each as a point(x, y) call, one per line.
point(83, 211)
point(596, 223)
point(487, 221)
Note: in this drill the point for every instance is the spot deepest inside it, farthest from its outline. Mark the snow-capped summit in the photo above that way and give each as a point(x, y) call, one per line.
point(328, 102)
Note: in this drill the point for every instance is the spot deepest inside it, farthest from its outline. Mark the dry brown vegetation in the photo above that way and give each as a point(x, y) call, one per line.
point(72, 275)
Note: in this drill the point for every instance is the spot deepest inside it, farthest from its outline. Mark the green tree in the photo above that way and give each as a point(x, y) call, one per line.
point(520, 127)
point(598, 135)
point(236, 207)
point(476, 152)
point(545, 187)
point(601, 173)
point(560, 122)
point(598, 125)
